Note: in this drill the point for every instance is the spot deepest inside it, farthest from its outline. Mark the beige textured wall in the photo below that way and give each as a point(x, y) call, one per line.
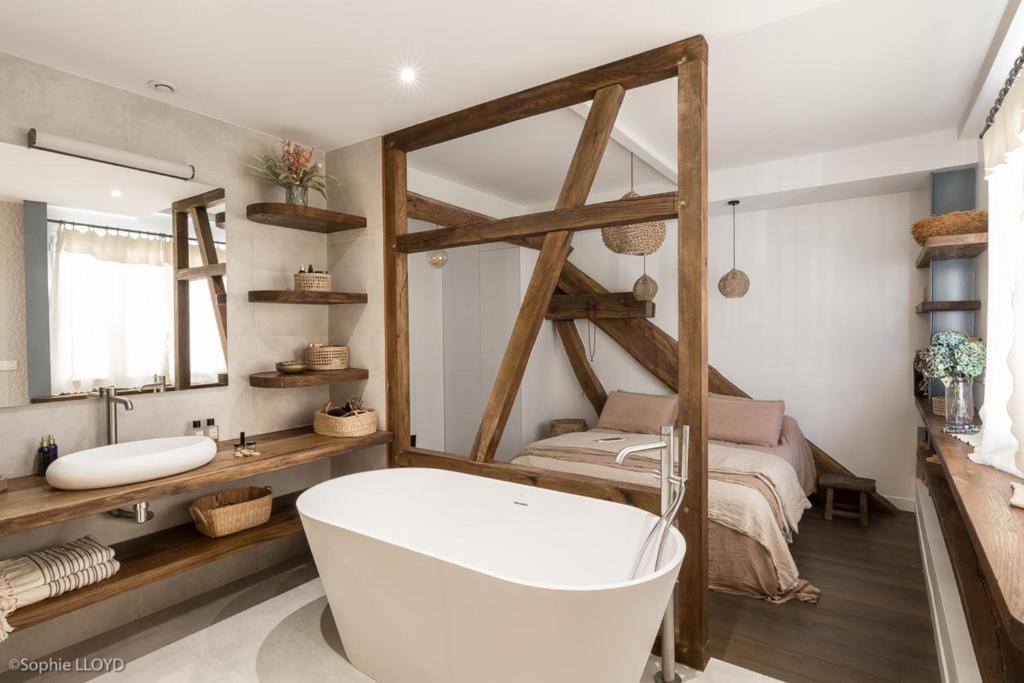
point(13, 383)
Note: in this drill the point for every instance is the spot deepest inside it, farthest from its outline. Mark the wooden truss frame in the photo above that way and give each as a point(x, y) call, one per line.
point(195, 209)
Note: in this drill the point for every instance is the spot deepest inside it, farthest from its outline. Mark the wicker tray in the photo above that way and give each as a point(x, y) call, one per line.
point(313, 282)
point(360, 424)
point(228, 512)
point(320, 357)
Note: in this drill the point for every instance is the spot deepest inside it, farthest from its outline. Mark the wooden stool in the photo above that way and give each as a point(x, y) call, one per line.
point(566, 426)
point(861, 485)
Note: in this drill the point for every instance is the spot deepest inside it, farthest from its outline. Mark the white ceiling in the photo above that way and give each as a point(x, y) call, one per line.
point(786, 77)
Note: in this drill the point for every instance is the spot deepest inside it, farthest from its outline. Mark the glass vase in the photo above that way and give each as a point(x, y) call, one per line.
point(296, 194)
point(960, 406)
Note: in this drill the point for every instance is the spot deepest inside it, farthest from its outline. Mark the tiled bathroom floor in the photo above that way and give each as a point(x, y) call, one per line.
point(272, 627)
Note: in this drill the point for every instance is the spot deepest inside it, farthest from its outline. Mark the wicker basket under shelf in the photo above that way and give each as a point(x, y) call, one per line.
point(360, 424)
point(313, 282)
point(327, 357)
point(228, 512)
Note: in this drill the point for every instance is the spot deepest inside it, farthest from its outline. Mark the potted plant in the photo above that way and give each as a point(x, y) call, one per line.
point(956, 360)
point(295, 169)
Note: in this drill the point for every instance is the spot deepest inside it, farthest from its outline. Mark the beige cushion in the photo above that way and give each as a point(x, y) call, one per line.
point(744, 420)
point(625, 411)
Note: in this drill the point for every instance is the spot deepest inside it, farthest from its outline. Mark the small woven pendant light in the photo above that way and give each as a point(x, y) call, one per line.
point(638, 239)
point(645, 287)
point(735, 283)
point(437, 258)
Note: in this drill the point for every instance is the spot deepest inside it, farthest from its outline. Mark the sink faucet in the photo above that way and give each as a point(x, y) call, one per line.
point(111, 400)
point(158, 386)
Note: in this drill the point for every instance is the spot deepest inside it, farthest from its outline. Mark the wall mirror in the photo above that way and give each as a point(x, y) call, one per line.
point(108, 276)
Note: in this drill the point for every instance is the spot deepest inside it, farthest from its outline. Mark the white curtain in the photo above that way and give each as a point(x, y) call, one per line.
point(112, 314)
point(1003, 412)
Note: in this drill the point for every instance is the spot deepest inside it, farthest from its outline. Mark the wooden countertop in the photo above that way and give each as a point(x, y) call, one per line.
point(30, 502)
point(996, 529)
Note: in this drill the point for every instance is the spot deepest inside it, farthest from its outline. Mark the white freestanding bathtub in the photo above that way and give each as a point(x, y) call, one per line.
point(440, 577)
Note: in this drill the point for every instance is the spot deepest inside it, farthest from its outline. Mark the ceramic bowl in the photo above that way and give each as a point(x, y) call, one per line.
point(291, 367)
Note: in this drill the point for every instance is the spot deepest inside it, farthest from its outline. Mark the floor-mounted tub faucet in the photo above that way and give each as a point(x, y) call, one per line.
point(673, 487)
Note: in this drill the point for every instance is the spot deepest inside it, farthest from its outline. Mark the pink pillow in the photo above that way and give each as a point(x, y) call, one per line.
point(625, 411)
point(744, 420)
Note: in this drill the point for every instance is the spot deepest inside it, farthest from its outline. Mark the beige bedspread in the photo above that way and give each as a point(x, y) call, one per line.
point(755, 499)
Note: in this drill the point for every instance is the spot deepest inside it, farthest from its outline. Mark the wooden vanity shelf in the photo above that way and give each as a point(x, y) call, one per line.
point(306, 218)
point(945, 247)
point(291, 296)
point(310, 378)
point(939, 306)
point(30, 502)
point(157, 556)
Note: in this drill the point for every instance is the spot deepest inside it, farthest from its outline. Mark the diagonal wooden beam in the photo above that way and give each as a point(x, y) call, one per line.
point(553, 253)
point(632, 72)
point(656, 207)
point(208, 254)
point(585, 375)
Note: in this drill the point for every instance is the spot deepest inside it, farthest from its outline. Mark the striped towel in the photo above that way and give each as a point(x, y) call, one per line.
point(47, 573)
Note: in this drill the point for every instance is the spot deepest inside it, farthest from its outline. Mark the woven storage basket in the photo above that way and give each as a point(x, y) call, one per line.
point(955, 223)
point(361, 424)
point(231, 511)
point(313, 282)
point(327, 357)
point(639, 239)
point(567, 425)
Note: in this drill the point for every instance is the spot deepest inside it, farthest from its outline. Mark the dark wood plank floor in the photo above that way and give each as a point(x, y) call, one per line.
point(872, 622)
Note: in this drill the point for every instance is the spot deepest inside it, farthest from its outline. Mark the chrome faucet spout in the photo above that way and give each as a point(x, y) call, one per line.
point(111, 401)
point(641, 448)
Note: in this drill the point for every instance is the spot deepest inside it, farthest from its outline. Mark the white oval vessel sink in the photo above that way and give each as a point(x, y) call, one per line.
point(127, 463)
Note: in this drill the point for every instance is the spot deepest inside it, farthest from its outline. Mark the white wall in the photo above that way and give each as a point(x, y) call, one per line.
point(13, 383)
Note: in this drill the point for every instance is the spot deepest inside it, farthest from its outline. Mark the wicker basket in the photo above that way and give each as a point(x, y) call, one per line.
point(639, 239)
point(361, 424)
point(955, 223)
point(319, 357)
point(566, 425)
point(228, 512)
point(313, 282)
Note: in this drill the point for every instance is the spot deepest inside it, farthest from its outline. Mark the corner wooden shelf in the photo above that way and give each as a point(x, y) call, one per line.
point(157, 556)
point(306, 218)
point(310, 378)
point(30, 502)
point(939, 306)
point(290, 296)
point(945, 247)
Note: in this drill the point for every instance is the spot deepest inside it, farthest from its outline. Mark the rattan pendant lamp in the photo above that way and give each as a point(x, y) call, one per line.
point(638, 239)
point(735, 283)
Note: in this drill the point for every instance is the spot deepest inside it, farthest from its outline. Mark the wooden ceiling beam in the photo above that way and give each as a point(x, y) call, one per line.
point(592, 306)
point(642, 69)
point(553, 254)
point(656, 207)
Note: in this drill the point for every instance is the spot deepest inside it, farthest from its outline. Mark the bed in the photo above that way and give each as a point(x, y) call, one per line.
point(757, 492)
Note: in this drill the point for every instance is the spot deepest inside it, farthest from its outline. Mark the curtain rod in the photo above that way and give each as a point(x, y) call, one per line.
point(1015, 70)
point(127, 230)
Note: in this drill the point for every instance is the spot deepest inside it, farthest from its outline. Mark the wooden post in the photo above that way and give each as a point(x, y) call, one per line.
point(593, 140)
point(692, 603)
point(182, 327)
point(396, 301)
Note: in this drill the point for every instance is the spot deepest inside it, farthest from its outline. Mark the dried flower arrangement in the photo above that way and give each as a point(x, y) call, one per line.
point(294, 167)
point(951, 356)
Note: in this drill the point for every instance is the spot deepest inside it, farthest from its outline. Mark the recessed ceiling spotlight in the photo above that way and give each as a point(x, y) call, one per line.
point(116, 194)
point(407, 75)
point(165, 87)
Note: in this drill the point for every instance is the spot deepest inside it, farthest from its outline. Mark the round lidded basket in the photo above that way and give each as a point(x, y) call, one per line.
point(320, 357)
point(953, 223)
point(360, 423)
point(638, 239)
point(313, 282)
point(228, 512)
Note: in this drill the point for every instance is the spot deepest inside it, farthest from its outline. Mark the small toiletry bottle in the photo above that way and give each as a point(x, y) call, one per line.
point(42, 455)
point(197, 428)
point(52, 446)
point(212, 430)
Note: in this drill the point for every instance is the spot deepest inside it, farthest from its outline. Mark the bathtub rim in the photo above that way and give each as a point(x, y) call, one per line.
point(669, 564)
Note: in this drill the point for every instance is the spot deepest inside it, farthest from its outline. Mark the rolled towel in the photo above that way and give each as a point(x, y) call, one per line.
point(47, 573)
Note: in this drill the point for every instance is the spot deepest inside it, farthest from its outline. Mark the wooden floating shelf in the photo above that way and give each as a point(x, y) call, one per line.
point(290, 296)
point(157, 556)
point(303, 217)
point(30, 502)
point(939, 306)
point(310, 378)
point(945, 247)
